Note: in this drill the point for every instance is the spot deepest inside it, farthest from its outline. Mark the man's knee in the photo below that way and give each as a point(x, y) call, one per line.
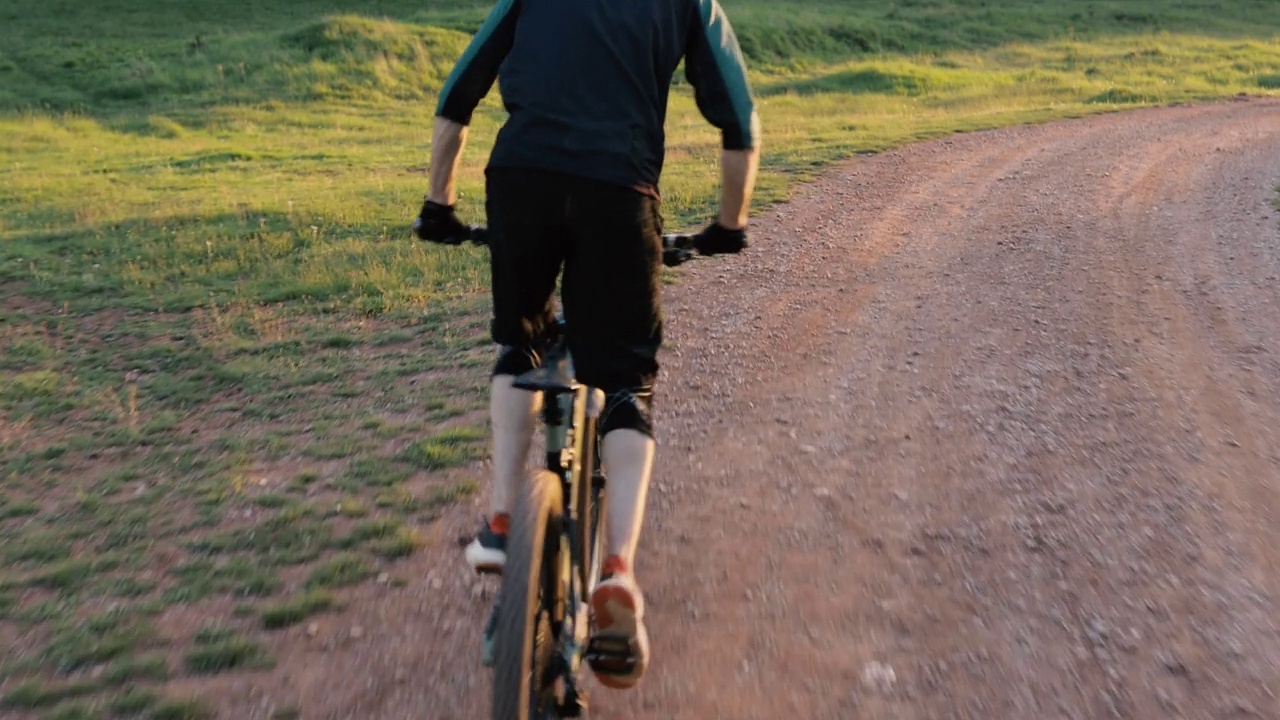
point(630, 409)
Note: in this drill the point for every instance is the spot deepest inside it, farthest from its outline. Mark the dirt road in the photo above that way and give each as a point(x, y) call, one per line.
point(987, 427)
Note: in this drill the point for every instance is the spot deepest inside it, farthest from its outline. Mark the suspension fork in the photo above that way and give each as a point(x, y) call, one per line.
point(564, 415)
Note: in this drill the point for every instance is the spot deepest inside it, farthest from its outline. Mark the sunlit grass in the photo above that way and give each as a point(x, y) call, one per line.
point(309, 201)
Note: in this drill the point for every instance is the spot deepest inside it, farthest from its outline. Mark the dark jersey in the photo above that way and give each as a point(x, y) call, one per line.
point(585, 83)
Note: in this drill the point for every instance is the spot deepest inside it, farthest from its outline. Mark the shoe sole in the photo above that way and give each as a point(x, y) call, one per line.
point(614, 611)
point(485, 561)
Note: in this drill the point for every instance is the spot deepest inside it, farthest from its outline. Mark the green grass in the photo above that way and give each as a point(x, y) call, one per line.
point(222, 359)
point(37, 547)
point(133, 702)
point(181, 709)
point(399, 544)
point(282, 539)
point(239, 576)
point(12, 508)
point(388, 538)
point(102, 638)
point(138, 668)
point(341, 570)
point(71, 711)
point(449, 494)
point(368, 472)
point(35, 694)
point(448, 448)
point(219, 649)
point(297, 609)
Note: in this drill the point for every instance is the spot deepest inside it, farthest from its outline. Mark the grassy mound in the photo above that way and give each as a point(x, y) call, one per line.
point(340, 58)
point(351, 57)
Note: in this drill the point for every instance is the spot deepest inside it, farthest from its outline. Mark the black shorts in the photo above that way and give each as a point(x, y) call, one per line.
point(608, 239)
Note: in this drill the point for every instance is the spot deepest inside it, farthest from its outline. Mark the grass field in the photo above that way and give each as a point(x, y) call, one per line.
point(231, 384)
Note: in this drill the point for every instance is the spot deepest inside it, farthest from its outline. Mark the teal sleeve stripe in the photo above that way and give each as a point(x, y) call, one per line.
point(728, 58)
point(491, 23)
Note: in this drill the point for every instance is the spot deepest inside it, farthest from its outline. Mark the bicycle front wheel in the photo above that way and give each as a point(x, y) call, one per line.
point(531, 607)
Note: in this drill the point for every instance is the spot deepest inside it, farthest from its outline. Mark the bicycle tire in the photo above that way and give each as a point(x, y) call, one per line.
point(591, 511)
point(593, 564)
point(531, 589)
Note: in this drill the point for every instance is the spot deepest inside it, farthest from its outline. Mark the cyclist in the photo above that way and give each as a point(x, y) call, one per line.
point(572, 181)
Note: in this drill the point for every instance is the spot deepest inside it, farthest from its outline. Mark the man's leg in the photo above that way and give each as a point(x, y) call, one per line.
point(525, 258)
point(612, 305)
point(627, 455)
point(627, 449)
point(512, 413)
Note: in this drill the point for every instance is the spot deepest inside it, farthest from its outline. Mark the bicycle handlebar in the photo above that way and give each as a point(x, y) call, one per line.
point(676, 249)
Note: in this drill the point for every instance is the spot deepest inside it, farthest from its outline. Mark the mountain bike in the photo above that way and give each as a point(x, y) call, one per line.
point(539, 631)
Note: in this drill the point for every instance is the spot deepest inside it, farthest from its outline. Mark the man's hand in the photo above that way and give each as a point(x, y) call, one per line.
point(437, 223)
point(716, 239)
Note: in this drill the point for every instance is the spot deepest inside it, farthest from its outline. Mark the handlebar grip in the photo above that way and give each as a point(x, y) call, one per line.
point(677, 249)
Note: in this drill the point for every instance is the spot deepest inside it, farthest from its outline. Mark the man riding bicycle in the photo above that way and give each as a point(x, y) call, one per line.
point(572, 181)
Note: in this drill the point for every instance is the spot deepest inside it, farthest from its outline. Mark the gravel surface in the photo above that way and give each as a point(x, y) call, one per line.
point(979, 428)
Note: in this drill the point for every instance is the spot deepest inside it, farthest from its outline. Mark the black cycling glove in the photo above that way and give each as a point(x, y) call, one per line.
point(716, 239)
point(439, 224)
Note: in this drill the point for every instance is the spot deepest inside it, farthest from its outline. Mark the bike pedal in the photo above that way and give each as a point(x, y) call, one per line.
point(611, 655)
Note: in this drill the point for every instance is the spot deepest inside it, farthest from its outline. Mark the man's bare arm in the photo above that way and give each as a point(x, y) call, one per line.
point(448, 138)
point(737, 182)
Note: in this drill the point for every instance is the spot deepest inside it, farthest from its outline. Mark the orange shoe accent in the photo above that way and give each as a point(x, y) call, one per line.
point(613, 565)
point(607, 599)
point(500, 523)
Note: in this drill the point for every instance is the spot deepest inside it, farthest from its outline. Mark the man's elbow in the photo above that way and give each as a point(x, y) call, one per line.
point(743, 134)
point(454, 112)
point(450, 122)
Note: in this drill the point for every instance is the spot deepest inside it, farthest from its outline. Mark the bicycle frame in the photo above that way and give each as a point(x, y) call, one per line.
point(569, 414)
point(569, 411)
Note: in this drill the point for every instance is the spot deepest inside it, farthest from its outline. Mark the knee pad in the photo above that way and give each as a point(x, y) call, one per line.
point(516, 360)
point(628, 410)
